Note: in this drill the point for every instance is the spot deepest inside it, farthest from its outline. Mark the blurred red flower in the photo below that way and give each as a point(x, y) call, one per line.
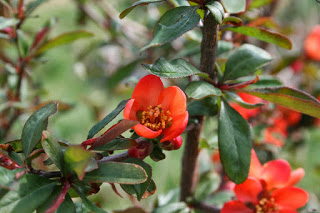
point(312, 44)
point(244, 112)
point(160, 111)
point(268, 189)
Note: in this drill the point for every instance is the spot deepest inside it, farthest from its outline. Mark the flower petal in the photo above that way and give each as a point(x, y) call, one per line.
point(174, 100)
point(249, 190)
point(235, 207)
point(255, 165)
point(130, 110)
point(179, 123)
point(147, 91)
point(276, 173)
point(290, 197)
point(295, 176)
point(144, 131)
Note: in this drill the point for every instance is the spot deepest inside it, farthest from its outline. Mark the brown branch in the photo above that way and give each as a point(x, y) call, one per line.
point(119, 157)
point(190, 155)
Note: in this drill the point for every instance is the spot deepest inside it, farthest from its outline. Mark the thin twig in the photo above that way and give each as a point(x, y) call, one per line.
point(119, 157)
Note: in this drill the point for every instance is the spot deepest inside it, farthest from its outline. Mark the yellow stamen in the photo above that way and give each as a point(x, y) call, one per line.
point(155, 118)
point(266, 205)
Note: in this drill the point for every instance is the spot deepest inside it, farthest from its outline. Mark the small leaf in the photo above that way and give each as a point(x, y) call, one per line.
point(234, 6)
point(32, 130)
point(31, 192)
point(117, 144)
point(7, 22)
point(232, 20)
point(116, 172)
point(53, 150)
point(176, 68)
point(263, 35)
point(77, 159)
point(209, 182)
point(62, 40)
point(234, 138)
point(114, 132)
point(141, 2)
point(200, 89)
point(246, 60)
point(216, 10)
point(173, 24)
point(97, 127)
point(290, 98)
point(207, 106)
point(264, 81)
point(139, 189)
point(242, 103)
point(172, 208)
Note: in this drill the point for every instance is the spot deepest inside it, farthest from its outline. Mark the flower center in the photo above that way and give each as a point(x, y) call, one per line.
point(155, 118)
point(266, 205)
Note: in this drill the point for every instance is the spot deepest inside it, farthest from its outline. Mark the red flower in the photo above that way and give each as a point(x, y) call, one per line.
point(268, 189)
point(244, 112)
point(160, 111)
point(312, 44)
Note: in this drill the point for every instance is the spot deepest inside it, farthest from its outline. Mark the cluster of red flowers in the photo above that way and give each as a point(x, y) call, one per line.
point(312, 44)
point(268, 189)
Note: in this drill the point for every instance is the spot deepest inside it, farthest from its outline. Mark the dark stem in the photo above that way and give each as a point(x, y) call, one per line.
point(190, 155)
point(47, 174)
point(118, 158)
point(206, 208)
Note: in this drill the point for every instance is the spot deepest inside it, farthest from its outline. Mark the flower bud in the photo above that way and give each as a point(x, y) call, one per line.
point(141, 151)
point(172, 144)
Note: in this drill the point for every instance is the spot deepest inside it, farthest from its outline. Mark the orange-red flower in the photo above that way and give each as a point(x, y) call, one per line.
point(312, 44)
point(268, 189)
point(160, 111)
point(247, 113)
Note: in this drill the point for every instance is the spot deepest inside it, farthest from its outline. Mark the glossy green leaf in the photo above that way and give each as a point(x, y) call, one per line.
point(97, 127)
point(200, 89)
point(176, 68)
point(77, 159)
point(7, 22)
point(207, 106)
point(62, 40)
point(117, 172)
point(178, 3)
point(245, 61)
point(139, 189)
point(216, 10)
point(234, 6)
point(37, 122)
point(290, 98)
point(53, 150)
point(180, 207)
point(264, 81)
point(209, 182)
point(141, 2)
point(117, 144)
point(173, 24)
point(232, 20)
point(29, 194)
point(234, 138)
point(263, 35)
point(242, 103)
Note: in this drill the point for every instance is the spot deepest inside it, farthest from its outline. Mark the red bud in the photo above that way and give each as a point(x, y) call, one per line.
point(172, 144)
point(141, 151)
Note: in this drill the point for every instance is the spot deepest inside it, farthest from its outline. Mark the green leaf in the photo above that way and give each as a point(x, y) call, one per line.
point(141, 2)
point(173, 24)
point(234, 6)
point(263, 35)
point(37, 122)
point(7, 179)
point(216, 10)
point(234, 138)
point(176, 68)
point(77, 159)
point(87, 203)
point(232, 20)
point(242, 103)
point(117, 144)
point(116, 172)
point(33, 5)
point(245, 61)
point(62, 40)
point(207, 106)
point(138, 189)
point(209, 182)
point(53, 150)
point(97, 127)
point(258, 3)
point(264, 81)
point(290, 98)
point(200, 89)
point(30, 193)
point(7, 22)
point(180, 207)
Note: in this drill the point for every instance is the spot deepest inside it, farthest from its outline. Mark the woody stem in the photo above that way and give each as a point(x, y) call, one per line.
point(189, 162)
